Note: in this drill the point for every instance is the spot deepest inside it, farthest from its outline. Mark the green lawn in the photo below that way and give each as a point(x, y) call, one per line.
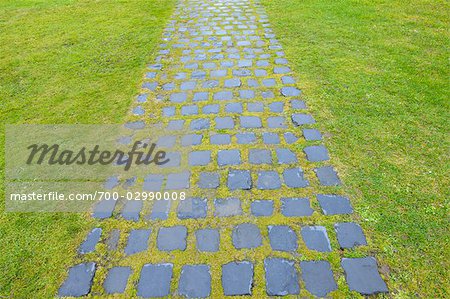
point(376, 76)
point(64, 61)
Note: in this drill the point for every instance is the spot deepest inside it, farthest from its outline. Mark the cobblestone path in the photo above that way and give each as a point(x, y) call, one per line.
point(266, 215)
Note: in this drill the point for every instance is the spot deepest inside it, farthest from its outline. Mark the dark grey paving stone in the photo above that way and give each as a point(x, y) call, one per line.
point(211, 109)
point(131, 210)
point(242, 73)
point(79, 281)
point(281, 61)
point(298, 104)
point(302, 119)
point(289, 91)
point(192, 208)
point(208, 240)
point(312, 134)
point(282, 238)
point(294, 178)
point(228, 157)
point(199, 158)
point(218, 73)
point(327, 176)
point(172, 238)
point(285, 156)
point(316, 153)
point(269, 82)
point(138, 110)
point(220, 139)
point(267, 94)
point(316, 238)
point(290, 137)
point(246, 94)
point(225, 122)
point(275, 122)
point(191, 66)
point(349, 235)
point(250, 122)
point(191, 139)
point(200, 124)
point(160, 210)
point(188, 85)
point(246, 235)
point(153, 182)
point(262, 63)
point(135, 125)
point(116, 280)
point(276, 107)
point(189, 110)
point(362, 275)
point(237, 278)
point(245, 63)
point(271, 138)
point(178, 97)
point(255, 107)
point(150, 85)
point(260, 73)
point(198, 75)
point(209, 180)
point(226, 207)
point(210, 84)
point(166, 141)
point(155, 280)
point(180, 76)
point(268, 180)
point(137, 241)
point(113, 240)
point(195, 281)
point(260, 208)
point(209, 65)
point(200, 96)
point(281, 69)
point(91, 241)
point(173, 160)
point(239, 180)
point(233, 108)
point(168, 86)
point(104, 209)
point(175, 124)
point(231, 83)
point(318, 277)
point(287, 80)
point(223, 96)
point(177, 181)
point(245, 138)
point(296, 207)
point(281, 277)
point(260, 156)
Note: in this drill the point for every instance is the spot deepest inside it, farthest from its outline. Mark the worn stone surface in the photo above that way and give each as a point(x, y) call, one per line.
point(172, 238)
point(237, 278)
point(225, 207)
point(282, 238)
point(318, 277)
point(295, 207)
point(349, 235)
point(246, 235)
point(268, 180)
point(334, 204)
point(155, 280)
point(316, 238)
point(281, 277)
point(79, 280)
point(137, 241)
point(362, 275)
point(116, 280)
point(261, 208)
point(91, 241)
point(208, 240)
point(195, 281)
point(192, 208)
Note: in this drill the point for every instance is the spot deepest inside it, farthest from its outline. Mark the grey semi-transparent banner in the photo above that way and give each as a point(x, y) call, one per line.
point(71, 168)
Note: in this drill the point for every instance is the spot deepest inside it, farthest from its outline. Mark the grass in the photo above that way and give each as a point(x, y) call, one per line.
point(375, 74)
point(64, 61)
